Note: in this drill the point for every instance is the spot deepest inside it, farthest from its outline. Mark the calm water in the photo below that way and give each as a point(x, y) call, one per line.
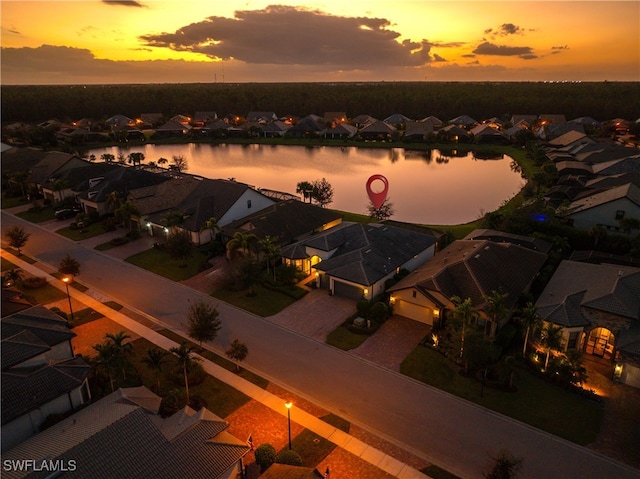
point(424, 187)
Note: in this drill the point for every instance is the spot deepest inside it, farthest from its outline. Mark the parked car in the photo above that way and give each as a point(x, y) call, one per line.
point(66, 213)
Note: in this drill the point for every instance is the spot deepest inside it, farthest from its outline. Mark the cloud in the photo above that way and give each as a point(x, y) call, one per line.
point(556, 50)
point(509, 29)
point(284, 35)
point(487, 48)
point(124, 3)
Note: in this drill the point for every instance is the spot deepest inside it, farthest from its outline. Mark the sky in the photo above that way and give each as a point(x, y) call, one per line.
point(222, 41)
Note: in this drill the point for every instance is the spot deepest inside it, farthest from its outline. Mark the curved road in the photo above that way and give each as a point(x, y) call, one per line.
point(449, 432)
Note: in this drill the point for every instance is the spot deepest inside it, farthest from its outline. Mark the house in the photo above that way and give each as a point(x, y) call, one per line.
point(342, 131)
point(377, 131)
point(202, 118)
point(630, 164)
point(275, 129)
point(397, 120)
point(362, 121)
point(261, 117)
point(435, 122)
point(198, 200)
point(61, 185)
point(470, 269)
point(530, 242)
point(571, 138)
point(40, 375)
point(286, 221)
point(418, 130)
point(355, 260)
point(598, 308)
point(454, 134)
point(93, 193)
point(334, 118)
point(122, 435)
point(53, 163)
point(463, 121)
point(487, 134)
point(528, 121)
point(606, 208)
point(126, 133)
point(119, 120)
point(173, 128)
point(150, 120)
point(309, 126)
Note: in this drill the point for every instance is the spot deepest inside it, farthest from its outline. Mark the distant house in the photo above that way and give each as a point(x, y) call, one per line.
point(173, 128)
point(118, 121)
point(40, 375)
point(487, 134)
point(463, 121)
point(61, 185)
point(308, 127)
point(334, 118)
point(203, 118)
point(454, 134)
point(397, 119)
point(150, 120)
point(496, 236)
point(262, 117)
point(355, 260)
point(598, 308)
point(342, 131)
point(123, 435)
point(417, 130)
point(468, 269)
point(362, 121)
point(285, 222)
point(528, 121)
point(571, 138)
point(52, 164)
point(606, 208)
point(275, 129)
point(435, 122)
point(377, 131)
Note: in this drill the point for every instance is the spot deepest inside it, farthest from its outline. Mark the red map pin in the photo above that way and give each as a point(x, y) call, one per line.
point(377, 197)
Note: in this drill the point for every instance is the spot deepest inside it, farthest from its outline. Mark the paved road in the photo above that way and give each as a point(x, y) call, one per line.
point(452, 433)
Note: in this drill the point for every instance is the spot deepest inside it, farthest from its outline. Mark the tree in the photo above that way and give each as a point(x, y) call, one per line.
point(265, 456)
point(179, 163)
point(551, 339)
point(106, 361)
point(628, 224)
point(12, 276)
point(135, 158)
point(248, 272)
point(162, 161)
point(463, 313)
point(237, 352)
point(289, 457)
point(173, 219)
point(531, 321)
point(495, 306)
point(17, 237)
point(271, 250)
point(505, 466)
point(203, 321)
point(306, 188)
point(179, 246)
point(112, 202)
point(385, 211)
point(322, 192)
point(125, 212)
point(242, 241)
point(20, 177)
point(185, 360)
point(121, 350)
point(108, 157)
point(69, 266)
point(211, 225)
point(155, 359)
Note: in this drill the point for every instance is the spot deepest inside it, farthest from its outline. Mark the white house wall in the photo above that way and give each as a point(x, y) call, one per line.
point(241, 208)
point(605, 215)
point(419, 308)
point(630, 375)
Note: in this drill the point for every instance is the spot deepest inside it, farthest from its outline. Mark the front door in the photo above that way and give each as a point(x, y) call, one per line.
point(600, 343)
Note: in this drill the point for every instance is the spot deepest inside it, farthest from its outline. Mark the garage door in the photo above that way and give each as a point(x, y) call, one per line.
point(347, 290)
point(413, 311)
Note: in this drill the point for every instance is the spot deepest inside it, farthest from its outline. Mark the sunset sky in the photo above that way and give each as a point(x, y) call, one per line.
point(171, 41)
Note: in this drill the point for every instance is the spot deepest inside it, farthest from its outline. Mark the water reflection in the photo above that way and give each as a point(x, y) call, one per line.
point(453, 189)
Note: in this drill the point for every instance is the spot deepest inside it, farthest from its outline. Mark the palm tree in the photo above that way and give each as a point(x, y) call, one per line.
point(271, 251)
point(185, 360)
point(531, 320)
point(173, 219)
point(552, 340)
point(306, 188)
point(135, 158)
point(155, 359)
point(495, 308)
point(108, 157)
point(121, 349)
point(464, 313)
point(162, 161)
point(211, 225)
point(240, 240)
point(125, 212)
point(20, 177)
point(106, 360)
point(12, 276)
point(112, 202)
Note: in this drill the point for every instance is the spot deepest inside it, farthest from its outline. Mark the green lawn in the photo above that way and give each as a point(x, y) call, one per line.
point(13, 202)
point(42, 214)
point(161, 263)
point(265, 302)
point(344, 339)
point(536, 402)
point(76, 234)
point(44, 295)
point(314, 448)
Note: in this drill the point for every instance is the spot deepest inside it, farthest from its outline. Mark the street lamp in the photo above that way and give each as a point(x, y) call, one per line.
point(66, 280)
point(288, 405)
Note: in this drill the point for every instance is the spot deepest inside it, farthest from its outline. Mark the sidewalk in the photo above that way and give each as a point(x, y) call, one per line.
point(345, 441)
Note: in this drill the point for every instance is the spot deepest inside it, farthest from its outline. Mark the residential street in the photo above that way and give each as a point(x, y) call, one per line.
point(447, 431)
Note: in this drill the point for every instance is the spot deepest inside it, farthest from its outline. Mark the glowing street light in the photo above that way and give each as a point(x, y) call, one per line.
point(288, 405)
point(66, 280)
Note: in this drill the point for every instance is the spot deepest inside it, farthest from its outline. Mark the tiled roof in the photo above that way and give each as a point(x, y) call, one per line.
point(43, 323)
point(285, 220)
point(109, 439)
point(25, 389)
point(476, 268)
point(567, 313)
point(122, 181)
point(530, 242)
point(366, 253)
point(21, 346)
point(629, 191)
point(609, 288)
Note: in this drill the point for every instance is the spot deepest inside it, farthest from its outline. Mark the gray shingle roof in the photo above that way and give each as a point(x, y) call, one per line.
point(110, 439)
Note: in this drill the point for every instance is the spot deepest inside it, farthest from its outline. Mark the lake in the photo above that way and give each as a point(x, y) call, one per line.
point(428, 187)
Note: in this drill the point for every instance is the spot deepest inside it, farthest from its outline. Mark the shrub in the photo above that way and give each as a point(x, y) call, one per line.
point(363, 307)
point(379, 312)
point(119, 241)
point(265, 456)
point(34, 282)
point(289, 457)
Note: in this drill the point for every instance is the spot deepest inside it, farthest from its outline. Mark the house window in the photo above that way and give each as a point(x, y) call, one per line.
point(248, 203)
point(573, 340)
point(413, 293)
point(619, 214)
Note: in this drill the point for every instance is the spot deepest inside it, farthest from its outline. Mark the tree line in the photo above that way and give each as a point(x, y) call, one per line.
point(445, 100)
